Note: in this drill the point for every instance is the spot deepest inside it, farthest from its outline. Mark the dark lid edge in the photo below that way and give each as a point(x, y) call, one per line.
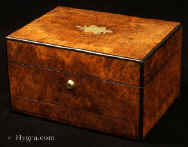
point(75, 49)
point(161, 43)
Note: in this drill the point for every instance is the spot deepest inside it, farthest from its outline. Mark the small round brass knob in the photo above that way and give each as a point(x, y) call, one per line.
point(70, 84)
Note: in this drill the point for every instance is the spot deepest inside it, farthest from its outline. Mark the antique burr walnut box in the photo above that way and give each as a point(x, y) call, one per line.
point(113, 73)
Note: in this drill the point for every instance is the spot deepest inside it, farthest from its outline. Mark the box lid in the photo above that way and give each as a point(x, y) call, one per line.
point(111, 34)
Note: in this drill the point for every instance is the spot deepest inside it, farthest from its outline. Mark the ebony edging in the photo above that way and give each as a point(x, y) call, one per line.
point(4, 53)
point(141, 115)
point(161, 43)
point(140, 125)
point(77, 75)
point(140, 61)
point(74, 49)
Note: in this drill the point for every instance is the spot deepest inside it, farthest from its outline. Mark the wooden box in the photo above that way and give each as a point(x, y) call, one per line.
point(113, 73)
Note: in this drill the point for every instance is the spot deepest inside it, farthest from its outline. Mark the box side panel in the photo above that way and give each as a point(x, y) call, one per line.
point(160, 93)
point(93, 104)
point(78, 63)
point(160, 57)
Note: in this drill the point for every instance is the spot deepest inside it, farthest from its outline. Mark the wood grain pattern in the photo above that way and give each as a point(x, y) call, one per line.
point(91, 97)
point(73, 117)
point(108, 93)
point(131, 37)
point(160, 93)
point(155, 63)
point(162, 74)
point(74, 62)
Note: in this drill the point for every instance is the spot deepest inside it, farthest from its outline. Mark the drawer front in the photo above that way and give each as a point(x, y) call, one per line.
point(71, 61)
point(47, 92)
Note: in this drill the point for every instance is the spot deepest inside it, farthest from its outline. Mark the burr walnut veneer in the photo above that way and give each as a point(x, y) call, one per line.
point(108, 72)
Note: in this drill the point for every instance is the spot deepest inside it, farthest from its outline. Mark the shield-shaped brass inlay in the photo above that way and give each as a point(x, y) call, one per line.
point(94, 29)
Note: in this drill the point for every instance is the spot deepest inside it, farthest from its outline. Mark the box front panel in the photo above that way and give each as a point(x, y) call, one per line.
point(79, 63)
point(92, 103)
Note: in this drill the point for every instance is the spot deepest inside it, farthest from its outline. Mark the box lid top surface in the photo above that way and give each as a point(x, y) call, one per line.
point(103, 32)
